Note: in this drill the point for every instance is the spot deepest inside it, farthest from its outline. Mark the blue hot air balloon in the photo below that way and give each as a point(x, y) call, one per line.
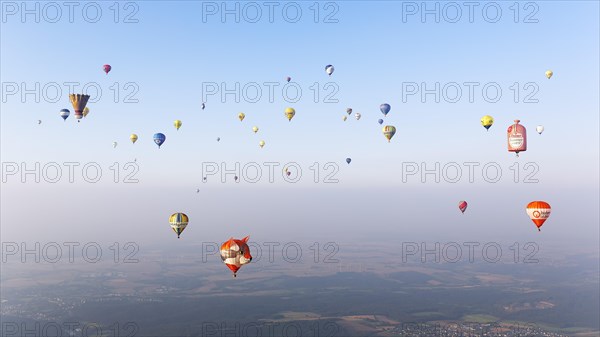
point(64, 113)
point(348, 160)
point(380, 121)
point(159, 139)
point(385, 108)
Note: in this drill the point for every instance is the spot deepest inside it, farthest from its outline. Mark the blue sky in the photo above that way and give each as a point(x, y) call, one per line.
point(170, 54)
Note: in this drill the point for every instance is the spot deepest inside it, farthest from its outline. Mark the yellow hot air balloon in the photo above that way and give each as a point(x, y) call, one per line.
point(289, 113)
point(549, 73)
point(487, 121)
point(79, 102)
point(133, 138)
point(389, 132)
point(261, 143)
point(255, 129)
point(178, 222)
point(344, 118)
point(241, 116)
point(86, 111)
point(177, 124)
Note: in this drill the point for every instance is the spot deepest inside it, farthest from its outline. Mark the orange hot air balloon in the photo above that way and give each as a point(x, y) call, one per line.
point(538, 211)
point(235, 253)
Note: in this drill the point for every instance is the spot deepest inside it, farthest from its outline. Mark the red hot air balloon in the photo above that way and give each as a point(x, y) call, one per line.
point(462, 206)
point(517, 138)
point(538, 211)
point(107, 68)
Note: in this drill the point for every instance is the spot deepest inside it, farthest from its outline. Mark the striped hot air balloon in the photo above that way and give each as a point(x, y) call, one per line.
point(235, 253)
point(178, 222)
point(538, 211)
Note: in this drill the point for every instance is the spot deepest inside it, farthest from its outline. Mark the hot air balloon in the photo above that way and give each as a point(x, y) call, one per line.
point(389, 132)
point(159, 139)
point(235, 253)
point(462, 205)
point(204, 178)
point(261, 143)
point(179, 222)
point(255, 129)
point(203, 106)
point(357, 115)
point(197, 190)
point(133, 138)
point(539, 129)
point(344, 118)
point(39, 121)
point(114, 144)
point(106, 68)
point(549, 74)
point(517, 138)
point(329, 69)
point(348, 160)
point(288, 173)
point(218, 139)
point(380, 121)
point(79, 101)
point(288, 78)
point(290, 113)
point(349, 111)
point(241, 116)
point(487, 121)
point(64, 113)
point(177, 124)
point(235, 178)
point(538, 211)
point(385, 108)
point(86, 111)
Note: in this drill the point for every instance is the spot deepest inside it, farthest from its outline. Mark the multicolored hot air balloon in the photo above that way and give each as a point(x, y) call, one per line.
point(517, 138)
point(241, 116)
point(385, 108)
point(380, 121)
point(261, 144)
point(290, 113)
point(348, 160)
point(389, 132)
point(349, 111)
point(357, 115)
point(462, 205)
point(177, 124)
point(329, 69)
point(106, 68)
point(79, 101)
point(235, 253)
point(539, 129)
point(179, 222)
point(133, 138)
point(255, 129)
point(86, 111)
point(159, 139)
point(549, 74)
point(487, 121)
point(538, 211)
point(64, 113)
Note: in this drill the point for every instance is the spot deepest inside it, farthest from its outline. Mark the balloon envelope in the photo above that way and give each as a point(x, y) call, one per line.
point(539, 129)
point(538, 212)
point(159, 139)
point(106, 68)
point(380, 121)
point(329, 69)
point(261, 143)
point(86, 111)
point(114, 144)
point(487, 121)
point(549, 74)
point(385, 108)
point(133, 138)
point(241, 116)
point(177, 124)
point(348, 160)
point(357, 115)
point(349, 111)
point(389, 132)
point(179, 222)
point(255, 129)
point(290, 113)
point(462, 205)
point(64, 113)
point(235, 253)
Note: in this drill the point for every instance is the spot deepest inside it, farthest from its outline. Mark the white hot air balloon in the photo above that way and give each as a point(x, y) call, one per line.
point(329, 69)
point(539, 129)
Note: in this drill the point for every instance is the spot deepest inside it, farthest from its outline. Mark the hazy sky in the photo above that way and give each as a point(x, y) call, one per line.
point(170, 55)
